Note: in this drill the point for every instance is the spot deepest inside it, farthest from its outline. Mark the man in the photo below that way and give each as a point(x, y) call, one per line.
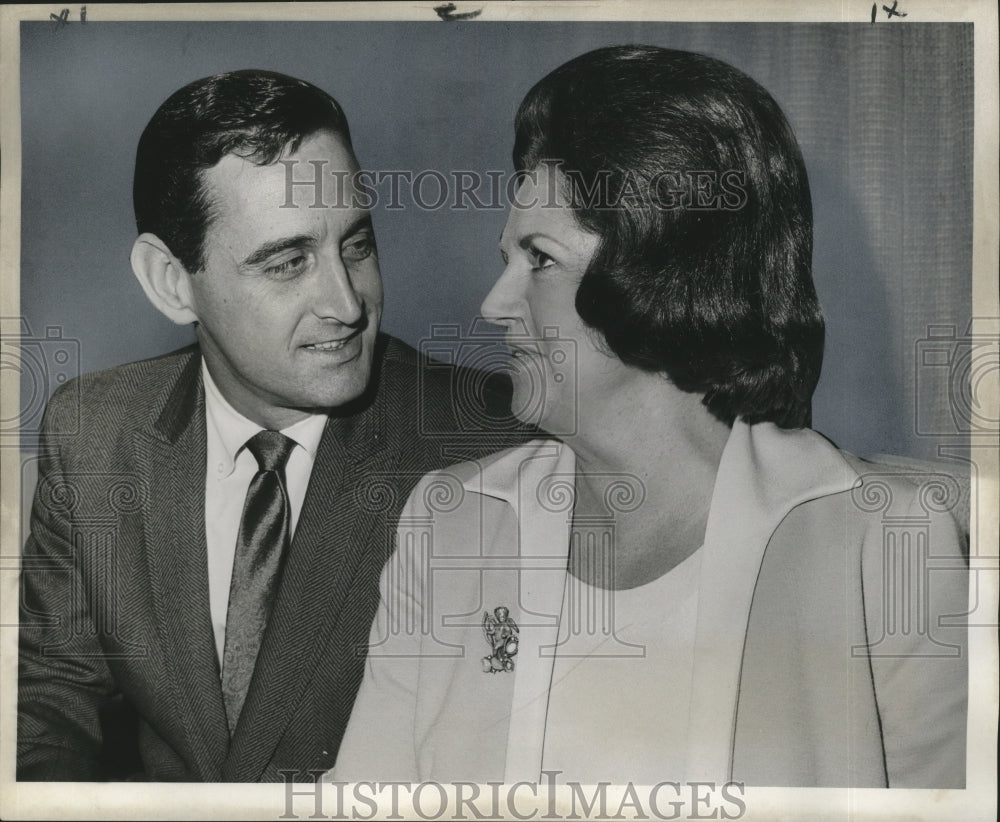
point(203, 563)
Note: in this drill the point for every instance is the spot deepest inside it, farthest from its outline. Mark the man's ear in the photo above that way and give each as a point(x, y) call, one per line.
point(166, 282)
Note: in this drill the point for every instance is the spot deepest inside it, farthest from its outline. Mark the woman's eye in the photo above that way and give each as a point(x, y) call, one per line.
point(286, 268)
point(358, 249)
point(540, 260)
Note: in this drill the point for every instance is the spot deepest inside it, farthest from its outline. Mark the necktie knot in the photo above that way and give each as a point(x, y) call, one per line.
point(271, 449)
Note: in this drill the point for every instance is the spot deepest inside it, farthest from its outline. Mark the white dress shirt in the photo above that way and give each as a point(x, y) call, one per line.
point(230, 468)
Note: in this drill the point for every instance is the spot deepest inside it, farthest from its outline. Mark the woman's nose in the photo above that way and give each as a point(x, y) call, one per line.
point(502, 303)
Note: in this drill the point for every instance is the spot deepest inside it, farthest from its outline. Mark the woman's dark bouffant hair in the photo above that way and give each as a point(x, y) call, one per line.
point(703, 271)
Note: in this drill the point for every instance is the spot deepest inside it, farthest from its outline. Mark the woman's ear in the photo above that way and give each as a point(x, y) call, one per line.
point(166, 282)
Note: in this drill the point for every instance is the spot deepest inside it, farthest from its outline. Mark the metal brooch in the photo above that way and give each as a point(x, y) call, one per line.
point(502, 636)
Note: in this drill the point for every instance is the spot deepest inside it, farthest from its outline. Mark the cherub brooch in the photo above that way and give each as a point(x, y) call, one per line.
point(502, 636)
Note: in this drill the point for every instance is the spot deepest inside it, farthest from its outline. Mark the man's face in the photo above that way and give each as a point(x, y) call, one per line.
point(289, 302)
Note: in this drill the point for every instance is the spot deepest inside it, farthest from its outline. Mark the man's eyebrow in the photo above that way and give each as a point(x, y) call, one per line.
point(269, 249)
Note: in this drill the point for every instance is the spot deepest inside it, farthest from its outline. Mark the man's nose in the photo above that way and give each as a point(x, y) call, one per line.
point(336, 296)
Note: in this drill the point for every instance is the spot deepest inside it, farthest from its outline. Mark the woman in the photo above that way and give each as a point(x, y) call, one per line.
point(686, 582)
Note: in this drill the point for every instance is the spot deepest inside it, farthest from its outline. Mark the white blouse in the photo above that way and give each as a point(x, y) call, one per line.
point(621, 680)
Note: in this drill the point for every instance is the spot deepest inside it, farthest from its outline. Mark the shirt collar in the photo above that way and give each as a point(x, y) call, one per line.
point(505, 473)
point(229, 430)
point(765, 472)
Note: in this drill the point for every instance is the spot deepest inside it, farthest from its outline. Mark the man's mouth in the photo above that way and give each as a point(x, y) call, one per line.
point(332, 345)
point(329, 345)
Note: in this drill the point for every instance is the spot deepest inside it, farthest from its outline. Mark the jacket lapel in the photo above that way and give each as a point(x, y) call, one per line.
point(765, 472)
point(174, 521)
point(330, 542)
point(537, 481)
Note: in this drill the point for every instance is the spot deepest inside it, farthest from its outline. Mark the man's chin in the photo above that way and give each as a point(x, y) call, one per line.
point(324, 389)
point(345, 392)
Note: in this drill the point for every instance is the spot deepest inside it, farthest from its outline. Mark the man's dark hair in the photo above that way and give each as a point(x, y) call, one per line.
point(720, 299)
point(253, 114)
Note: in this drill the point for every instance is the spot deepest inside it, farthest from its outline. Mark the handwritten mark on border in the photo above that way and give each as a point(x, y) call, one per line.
point(62, 18)
point(448, 15)
point(890, 12)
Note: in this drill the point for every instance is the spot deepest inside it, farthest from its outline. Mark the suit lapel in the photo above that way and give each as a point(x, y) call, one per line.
point(176, 555)
point(330, 543)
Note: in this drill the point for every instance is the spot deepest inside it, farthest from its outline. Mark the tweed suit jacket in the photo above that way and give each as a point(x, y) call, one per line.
point(115, 607)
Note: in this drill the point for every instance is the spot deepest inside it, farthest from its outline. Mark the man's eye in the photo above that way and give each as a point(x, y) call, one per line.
point(286, 268)
point(358, 249)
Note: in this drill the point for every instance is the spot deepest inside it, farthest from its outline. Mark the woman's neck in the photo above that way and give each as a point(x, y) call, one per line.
point(662, 455)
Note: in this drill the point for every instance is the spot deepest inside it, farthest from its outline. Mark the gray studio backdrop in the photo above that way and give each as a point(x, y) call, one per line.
point(883, 113)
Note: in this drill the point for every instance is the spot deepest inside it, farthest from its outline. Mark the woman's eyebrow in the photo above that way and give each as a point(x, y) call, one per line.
point(362, 223)
point(528, 240)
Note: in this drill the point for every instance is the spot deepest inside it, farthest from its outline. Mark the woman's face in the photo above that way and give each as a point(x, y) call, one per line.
point(555, 362)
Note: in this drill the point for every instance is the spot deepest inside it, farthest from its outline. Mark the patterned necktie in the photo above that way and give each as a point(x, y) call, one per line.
point(260, 548)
